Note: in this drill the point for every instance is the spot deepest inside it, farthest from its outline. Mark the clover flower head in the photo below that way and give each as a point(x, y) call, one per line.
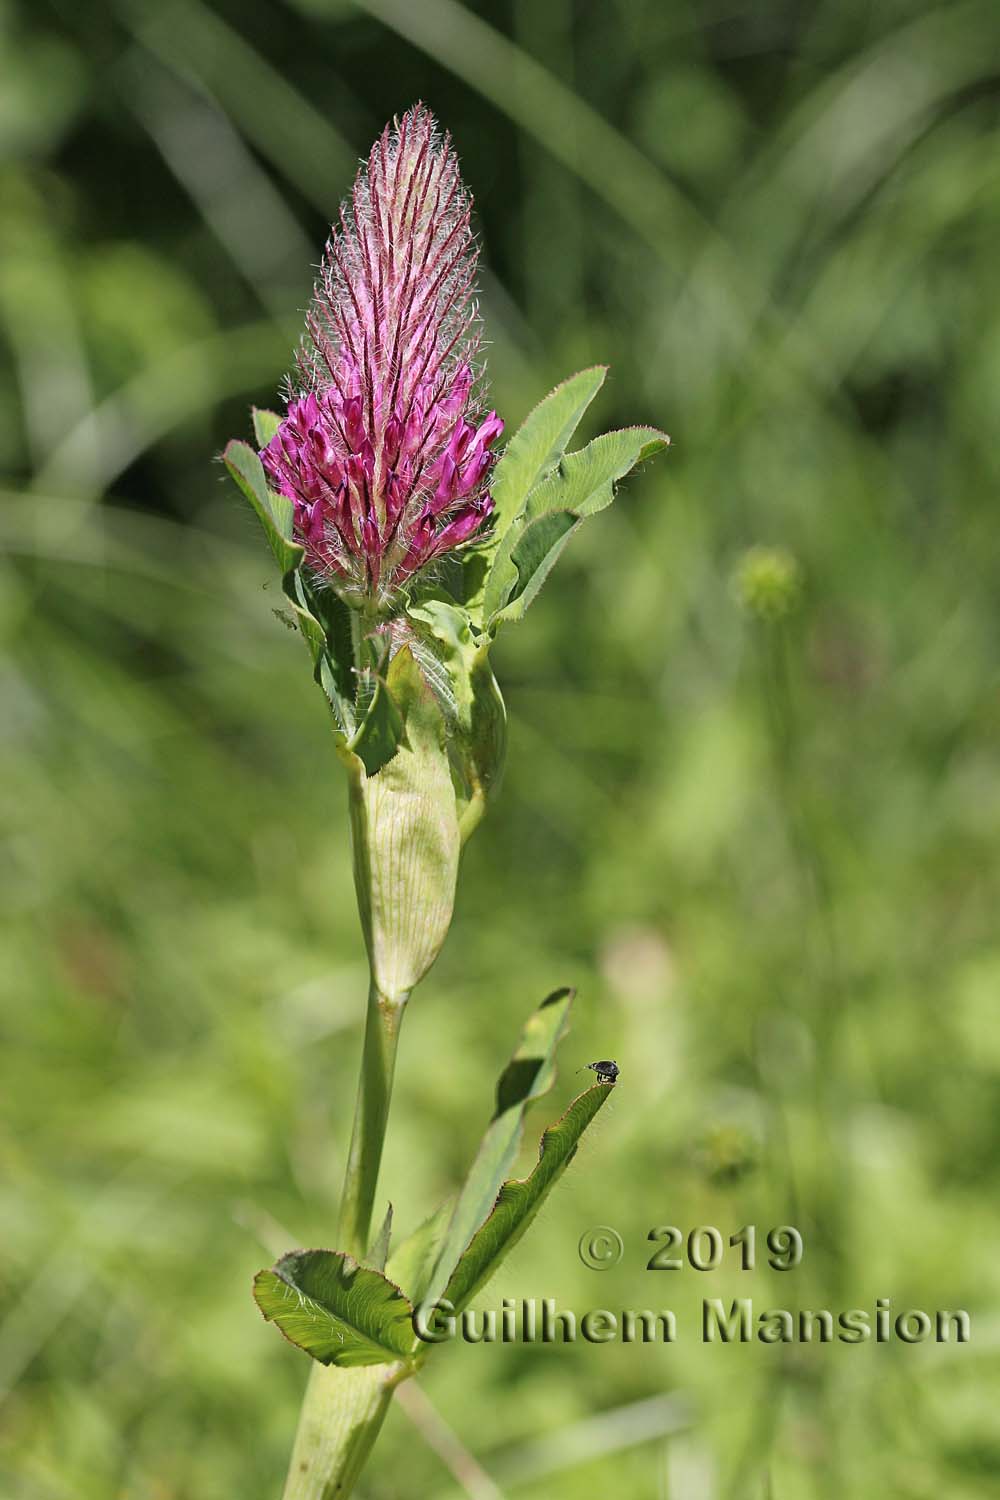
point(386, 448)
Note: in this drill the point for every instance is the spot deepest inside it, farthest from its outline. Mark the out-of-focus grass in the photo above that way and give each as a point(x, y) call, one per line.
point(765, 852)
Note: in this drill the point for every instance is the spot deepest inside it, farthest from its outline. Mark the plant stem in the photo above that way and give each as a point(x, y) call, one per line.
point(371, 1112)
point(341, 1417)
point(343, 1409)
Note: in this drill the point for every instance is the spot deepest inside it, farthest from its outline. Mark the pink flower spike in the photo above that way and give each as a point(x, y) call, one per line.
point(386, 448)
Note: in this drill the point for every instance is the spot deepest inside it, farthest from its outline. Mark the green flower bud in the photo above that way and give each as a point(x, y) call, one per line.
point(768, 583)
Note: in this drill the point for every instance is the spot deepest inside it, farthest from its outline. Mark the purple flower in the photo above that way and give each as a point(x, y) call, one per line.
point(385, 451)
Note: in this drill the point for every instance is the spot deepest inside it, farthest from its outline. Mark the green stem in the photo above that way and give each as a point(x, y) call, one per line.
point(371, 1112)
point(341, 1417)
point(343, 1409)
point(406, 842)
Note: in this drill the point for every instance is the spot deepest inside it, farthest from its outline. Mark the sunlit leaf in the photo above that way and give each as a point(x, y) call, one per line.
point(582, 484)
point(527, 1076)
point(520, 1199)
point(540, 442)
point(274, 511)
point(412, 1262)
point(340, 1312)
point(265, 425)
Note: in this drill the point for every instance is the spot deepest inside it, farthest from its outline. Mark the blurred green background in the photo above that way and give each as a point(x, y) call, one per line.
point(753, 799)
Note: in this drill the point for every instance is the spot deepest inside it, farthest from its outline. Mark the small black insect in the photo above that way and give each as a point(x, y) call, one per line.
point(607, 1071)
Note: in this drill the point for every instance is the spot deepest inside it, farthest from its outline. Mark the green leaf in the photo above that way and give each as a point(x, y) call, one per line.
point(322, 617)
point(535, 550)
point(274, 511)
point(265, 425)
point(540, 442)
point(378, 1253)
point(413, 1259)
point(340, 1312)
point(483, 743)
point(380, 731)
point(406, 838)
point(527, 1076)
point(450, 628)
point(582, 484)
point(477, 712)
point(324, 622)
point(520, 1199)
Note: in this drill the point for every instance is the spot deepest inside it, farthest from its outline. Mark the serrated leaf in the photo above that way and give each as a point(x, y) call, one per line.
point(265, 425)
point(340, 1312)
point(520, 1199)
point(527, 1076)
point(540, 442)
point(412, 1262)
point(582, 484)
point(273, 511)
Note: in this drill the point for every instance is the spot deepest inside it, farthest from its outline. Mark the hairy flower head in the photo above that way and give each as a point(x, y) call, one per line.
point(385, 451)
